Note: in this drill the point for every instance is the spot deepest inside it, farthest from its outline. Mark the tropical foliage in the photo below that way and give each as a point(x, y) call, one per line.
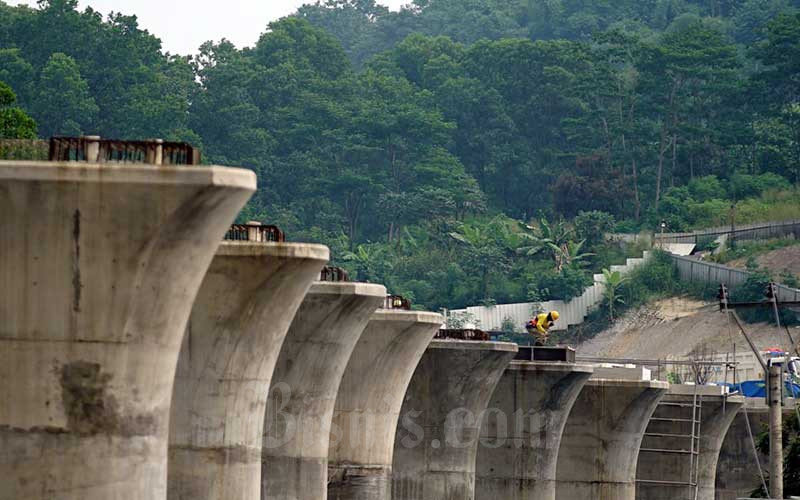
point(461, 152)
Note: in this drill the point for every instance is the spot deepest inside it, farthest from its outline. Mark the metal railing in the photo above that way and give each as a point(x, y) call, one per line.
point(94, 149)
point(700, 371)
point(690, 269)
point(396, 302)
point(256, 232)
point(758, 231)
point(463, 334)
point(332, 273)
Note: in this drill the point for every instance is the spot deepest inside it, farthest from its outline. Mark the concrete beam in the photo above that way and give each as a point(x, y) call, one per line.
point(522, 430)
point(600, 444)
point(369, 400)
point(437, 439)
point(303, 391)
point(240, 317)
point(100, 266)
point(716, 413)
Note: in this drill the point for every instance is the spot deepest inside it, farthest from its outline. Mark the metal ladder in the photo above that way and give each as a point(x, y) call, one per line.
point(692, 439)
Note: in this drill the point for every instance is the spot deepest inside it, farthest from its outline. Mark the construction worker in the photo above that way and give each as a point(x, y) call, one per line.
point(539, 326)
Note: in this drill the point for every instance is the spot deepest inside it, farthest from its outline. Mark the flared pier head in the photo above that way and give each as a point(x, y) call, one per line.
point(369, 400)
point(737, 467)
point(600, 444)
point(100, 266)
point(437, 437)
point(681, 445)
point(304, 386)
point(521, 433)
point(244, 308)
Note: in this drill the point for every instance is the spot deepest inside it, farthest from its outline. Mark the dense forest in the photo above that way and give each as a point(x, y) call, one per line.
point(460, 151)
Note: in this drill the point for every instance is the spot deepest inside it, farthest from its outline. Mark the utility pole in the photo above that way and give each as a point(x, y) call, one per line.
point(732, 237)
point(773, 371)
point(775, 401)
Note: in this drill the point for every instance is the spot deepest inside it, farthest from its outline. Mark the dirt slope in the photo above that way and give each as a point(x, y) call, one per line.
point(778, 261)
point(676, 327)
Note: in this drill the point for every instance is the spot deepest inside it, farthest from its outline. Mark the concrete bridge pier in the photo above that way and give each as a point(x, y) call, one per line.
point(437, 437)
point(304, 386)
point(665, 468)
point(100, 266)
point(245, 305)
point(600, 444)
point(522, 430)
point(369, 400)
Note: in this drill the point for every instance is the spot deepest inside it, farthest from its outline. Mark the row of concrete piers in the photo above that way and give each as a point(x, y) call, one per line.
point(143, 358)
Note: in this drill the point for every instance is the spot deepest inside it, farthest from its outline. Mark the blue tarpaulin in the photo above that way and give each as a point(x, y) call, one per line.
point(757, 389)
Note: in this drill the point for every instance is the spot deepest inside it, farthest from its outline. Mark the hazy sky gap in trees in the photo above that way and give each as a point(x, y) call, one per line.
point(182, 25)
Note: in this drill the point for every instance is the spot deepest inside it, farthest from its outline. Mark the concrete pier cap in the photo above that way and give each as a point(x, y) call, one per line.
point(664, 475)
point(303, 390)
point(100, 266)
point(522, 429)
point(244, 308)
point(437, 438)
point(600, 442)
point(369, 401)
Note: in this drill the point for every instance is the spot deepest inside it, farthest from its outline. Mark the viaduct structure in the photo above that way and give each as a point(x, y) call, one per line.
point(238, 323)
point(99, 265)
point(522, 431)
point(437, 439)
point(306, 381)
point(368, 403)
point(681, 446)
point(143, 358)
point(600, 445)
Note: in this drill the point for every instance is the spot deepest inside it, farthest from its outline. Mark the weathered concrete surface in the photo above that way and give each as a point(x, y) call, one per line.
point(600, 443)
point(521, 432)
point(369, 400)
point(100, 265)
point(437, 437)
point(245, 305)
point(737, 470)
point(303, 391)
point(715, 415)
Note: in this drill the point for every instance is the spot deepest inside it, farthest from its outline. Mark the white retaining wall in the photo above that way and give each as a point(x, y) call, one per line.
point(572, 313)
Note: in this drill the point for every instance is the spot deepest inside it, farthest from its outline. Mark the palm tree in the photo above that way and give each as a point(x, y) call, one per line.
point(484, 246)
point(612, 293)
point(557, 238)
point(569, 255)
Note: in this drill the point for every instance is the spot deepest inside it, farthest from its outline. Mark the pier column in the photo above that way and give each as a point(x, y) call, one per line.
point(737, 468)
point(99, 267)
point(369, 400)
point(437, 436)
point(665, 468)
point(600, 443)
point(240, 317)
point(303, 390)
point(522, 430)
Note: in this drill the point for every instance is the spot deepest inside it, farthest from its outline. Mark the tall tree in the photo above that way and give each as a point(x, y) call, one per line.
point(14, 123)
point(64, 105)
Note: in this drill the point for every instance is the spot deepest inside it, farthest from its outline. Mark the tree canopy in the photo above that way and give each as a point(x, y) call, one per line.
point(458, 151)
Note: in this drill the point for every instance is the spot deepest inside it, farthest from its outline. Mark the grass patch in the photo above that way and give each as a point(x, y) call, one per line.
point(746, 249)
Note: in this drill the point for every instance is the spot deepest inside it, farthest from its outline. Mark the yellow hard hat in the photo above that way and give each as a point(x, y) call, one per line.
point(554, 315)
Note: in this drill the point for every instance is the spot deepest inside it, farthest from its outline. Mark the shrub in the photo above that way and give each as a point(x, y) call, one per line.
point(709, 213)
point(705, 188)
point(592, 227)
point(566, 285)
